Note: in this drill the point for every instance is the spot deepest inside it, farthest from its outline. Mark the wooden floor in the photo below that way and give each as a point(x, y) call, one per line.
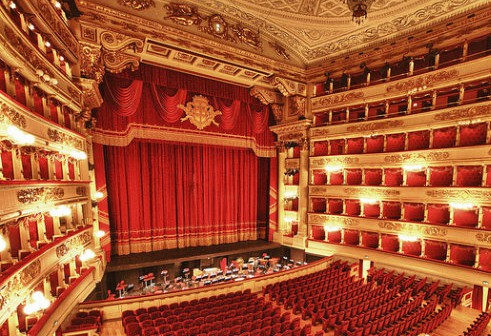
point(455, 325)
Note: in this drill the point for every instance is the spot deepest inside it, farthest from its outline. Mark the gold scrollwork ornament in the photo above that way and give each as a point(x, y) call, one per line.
point(199, 112)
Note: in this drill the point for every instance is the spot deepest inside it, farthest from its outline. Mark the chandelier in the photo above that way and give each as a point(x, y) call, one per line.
point(359, 9)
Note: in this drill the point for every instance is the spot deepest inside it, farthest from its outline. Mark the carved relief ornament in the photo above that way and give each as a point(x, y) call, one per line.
point(41, 194)
point(336, 99)
point(64, 138)
point(461, 195)
point(376, 126)
point(423, 82)
point(118, 51)
point(416, 157)
point(413, 228)
point(288, 87)
point(464, 113)
point(199, 112)
point(137, 4)
point(91, 65)
point(11, 116)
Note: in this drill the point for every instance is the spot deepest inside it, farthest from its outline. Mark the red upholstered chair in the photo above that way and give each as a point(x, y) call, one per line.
point(395, 142)
point(391, 210)
point(334, 236)
point(336, 178)
point(390, 243)
point(393, 177)
point(335, 206)
point(353, 207)
point(444, 137)
point(414, 212)
point(354, 176)
point(462, 254)
point(369, 239)
point(373, 177)
point(418, 140)
point(355, 146)
point(321, 119)
point(337, 147)
point(465, 217)
point(351, 237)
point(440, 176)
point(415, 178)
point(435, 250)
point(472, 135)
point(319, 205)
point(469, 176)
point(375, 144)
point(321, 148)
point(438, 214)
point(318, 232)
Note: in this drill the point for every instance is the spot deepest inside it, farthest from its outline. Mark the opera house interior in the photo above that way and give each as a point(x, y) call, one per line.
point(245, 168)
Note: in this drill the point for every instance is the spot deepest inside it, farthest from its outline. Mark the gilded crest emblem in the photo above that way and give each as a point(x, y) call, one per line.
point(199, 112)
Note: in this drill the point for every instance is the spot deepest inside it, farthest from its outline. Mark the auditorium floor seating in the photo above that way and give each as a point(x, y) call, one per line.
point(333, 301)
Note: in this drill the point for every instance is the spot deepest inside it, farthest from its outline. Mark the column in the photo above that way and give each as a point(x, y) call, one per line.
point(433, 100)
point(303, 186)
point(34, 166)
point(476, 262)
point(409, 104)
point(281, 189)
point(411, 66)
point(461, 94)
point(423, 245)
point(17, 163)
point(465, 50)
point(447, 258)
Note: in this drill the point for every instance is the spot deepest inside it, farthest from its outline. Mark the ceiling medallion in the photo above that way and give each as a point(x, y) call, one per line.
point(359, 8)
point(217, 27)
point(199, 112)
point(137, 4)
point(247, 36)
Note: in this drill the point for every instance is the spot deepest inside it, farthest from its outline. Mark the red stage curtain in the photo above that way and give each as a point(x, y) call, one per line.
point(391, 210)
point(321, 148)
point(318, 233)
point(336, 178)
point(319, 205)
point(353, 176)
point(355, 146)
point(438, 214)
point(337, 147)
point(393, 177)
point(165, 195)
point(273, 196)
point(390, 243)
point(351, 237)
point(462, 254)
point(369, 239)
point(436, 250)
point(335, 206)
point(353, 207)
point(373, 177)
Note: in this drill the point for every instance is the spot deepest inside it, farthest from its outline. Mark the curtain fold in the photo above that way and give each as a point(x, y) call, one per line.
point(166, 105)
point(166, 195)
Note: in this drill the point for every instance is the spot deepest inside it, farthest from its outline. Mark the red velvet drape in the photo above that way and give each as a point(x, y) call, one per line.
point(166, 195)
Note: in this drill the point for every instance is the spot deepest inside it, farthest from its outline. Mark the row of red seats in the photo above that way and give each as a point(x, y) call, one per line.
point(86, 321)
point(433, 321)
point(478, 325)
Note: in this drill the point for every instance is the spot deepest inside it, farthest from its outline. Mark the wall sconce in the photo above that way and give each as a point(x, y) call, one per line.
point(333, 168)
point(12, 5)
point(462, 206)
point(87, 255)
point(60, 211)
point(98, 195)
point(39, 302)
point(3, 243)
point(408, 238)
point(18, 136)
point(46, 77)
point(366, 200)
point(413, 167)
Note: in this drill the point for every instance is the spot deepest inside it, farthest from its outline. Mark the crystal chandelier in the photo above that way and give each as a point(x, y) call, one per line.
point(359, 9)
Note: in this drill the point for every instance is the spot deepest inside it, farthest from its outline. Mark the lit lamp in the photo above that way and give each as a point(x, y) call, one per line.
point(408, 238)
point(87, 255)
point(60, 211)
point(39, 303)
point(359, 8)
point(3, 244)
point(100, 234)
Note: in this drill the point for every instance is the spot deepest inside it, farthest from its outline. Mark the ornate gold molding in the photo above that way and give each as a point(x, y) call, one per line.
point(371, 192)
point(422, 82)
point(277, 110)
point(375, 126)
point(288, 87)
point(427, 230)
point(199, 112)
point(64, 138)
point(319, 132)
point(323, 161)
point(297, 107)
point(91, 62)
point(417, 157)
point(464, 113)
point(137, 4)
point(461, 195)
point(484, 237)
point(8, 114)
point(41, 194)
point(114, 51)
point(336, 99)
point(264, 95)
